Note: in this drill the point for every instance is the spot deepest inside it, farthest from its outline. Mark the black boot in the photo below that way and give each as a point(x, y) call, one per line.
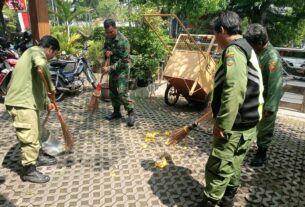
point(260, 157)
point(31, 174)
point(115, 115)
point(45, 159)
point(228, 198)
point(130, 118)
point(207, 202)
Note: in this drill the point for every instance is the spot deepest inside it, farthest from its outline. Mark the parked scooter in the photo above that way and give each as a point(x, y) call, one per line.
point(23, 41)
point(70, 81)
point(8, 60)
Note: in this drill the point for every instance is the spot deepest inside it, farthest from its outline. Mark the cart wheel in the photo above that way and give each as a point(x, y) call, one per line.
point(171, 95)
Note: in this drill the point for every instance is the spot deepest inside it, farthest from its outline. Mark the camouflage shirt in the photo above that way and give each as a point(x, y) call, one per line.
point(271, 66)
point(120, 48)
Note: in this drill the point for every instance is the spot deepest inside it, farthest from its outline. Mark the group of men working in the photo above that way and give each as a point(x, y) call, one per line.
point(245, 100)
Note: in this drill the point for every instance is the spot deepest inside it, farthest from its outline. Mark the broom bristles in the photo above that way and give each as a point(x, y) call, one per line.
point(178, 134)
point(66, 132)
point(93, 103)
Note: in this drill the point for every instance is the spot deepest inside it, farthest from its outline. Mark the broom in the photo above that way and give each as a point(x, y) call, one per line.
point(65, 130)
point(93, 103)
point(178, 134)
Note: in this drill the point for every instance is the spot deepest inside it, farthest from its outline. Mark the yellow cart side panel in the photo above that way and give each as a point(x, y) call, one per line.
point(189, 65)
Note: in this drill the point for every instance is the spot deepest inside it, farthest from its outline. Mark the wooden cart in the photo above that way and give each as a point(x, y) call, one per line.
point(191, 66)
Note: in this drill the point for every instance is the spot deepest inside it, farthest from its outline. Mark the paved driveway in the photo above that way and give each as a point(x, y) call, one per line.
point(113, 165)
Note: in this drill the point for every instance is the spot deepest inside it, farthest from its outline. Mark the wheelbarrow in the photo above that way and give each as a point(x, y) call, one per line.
point(191, 66)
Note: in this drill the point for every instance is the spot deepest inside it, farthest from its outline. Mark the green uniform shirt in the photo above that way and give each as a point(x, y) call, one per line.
point(234, 87)
point(26, 88)
point(271, 66)
point(120, 48)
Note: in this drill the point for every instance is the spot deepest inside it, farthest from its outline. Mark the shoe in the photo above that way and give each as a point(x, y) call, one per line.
point(259, 158)
point(228, 198)
point(31, 174)
point(114, 115)
point(130, 118)
point(45, 159)
point(207, 202)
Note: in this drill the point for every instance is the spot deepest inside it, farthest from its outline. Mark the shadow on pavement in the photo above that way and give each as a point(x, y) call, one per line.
point(12, 159)
point(173, 185)
point(2, 180)
point(5, 202)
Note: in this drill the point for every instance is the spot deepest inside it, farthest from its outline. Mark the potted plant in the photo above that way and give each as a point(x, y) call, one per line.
point(143, 69)
point(95, 55)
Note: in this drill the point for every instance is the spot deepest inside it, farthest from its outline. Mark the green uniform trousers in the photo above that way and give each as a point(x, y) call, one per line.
point(27, 124)
point(265, 130)
point(224, 164)
point(119, 93)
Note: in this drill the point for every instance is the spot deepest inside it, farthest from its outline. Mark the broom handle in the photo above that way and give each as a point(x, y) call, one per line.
point(53, 100)
point(46, 119)
point(48, 90)
point(207, 114)
point(107, 63)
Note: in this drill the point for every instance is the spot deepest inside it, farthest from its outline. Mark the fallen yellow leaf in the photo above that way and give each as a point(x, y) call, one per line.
point(162, 163)
point(113, 174)
point(167, 133)
point(144, 146)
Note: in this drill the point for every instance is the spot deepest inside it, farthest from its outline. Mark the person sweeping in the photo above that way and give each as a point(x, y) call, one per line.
point(236, 106)
point(117, 48)
point(26, 97)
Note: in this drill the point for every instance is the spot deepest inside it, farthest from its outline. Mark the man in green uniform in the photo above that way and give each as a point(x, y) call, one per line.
point(25, 98)
point(117, 48)
point(236, 105)
point(272, 72)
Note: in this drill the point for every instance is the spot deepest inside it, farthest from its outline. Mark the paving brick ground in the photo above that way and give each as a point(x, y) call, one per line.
point(112, 165)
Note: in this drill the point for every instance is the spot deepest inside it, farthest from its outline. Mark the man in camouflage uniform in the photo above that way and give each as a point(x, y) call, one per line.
point(236, 105)
point(25, 98)
point(117, 48)
point(272, 72)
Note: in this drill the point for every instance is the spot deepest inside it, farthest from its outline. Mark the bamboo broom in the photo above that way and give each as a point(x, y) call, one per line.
point(65, 130)
point(93, 103)
point(178, 134)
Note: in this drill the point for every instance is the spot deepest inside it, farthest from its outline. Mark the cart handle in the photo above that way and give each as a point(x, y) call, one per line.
point(146, 16)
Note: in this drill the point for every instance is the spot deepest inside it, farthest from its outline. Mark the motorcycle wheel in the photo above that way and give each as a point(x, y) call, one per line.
point(171, 95)
point(91, 78)
point(59, 95)
point(5, 83)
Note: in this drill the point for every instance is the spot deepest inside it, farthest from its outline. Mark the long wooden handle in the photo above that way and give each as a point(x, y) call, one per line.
point(107, 63)
point(53, 100)
point(203, 117)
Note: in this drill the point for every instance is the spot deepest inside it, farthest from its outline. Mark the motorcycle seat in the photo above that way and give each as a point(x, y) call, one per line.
point(58, 63)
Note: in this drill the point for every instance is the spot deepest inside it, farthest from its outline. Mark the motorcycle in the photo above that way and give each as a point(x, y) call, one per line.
point(23, 41)
point(8, 60)
point(70, 81)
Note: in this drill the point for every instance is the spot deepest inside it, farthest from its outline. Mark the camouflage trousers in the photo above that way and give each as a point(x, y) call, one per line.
point(224, 164)
point(118, 86)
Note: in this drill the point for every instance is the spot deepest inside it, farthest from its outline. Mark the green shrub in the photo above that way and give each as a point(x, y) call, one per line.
point(95, 52)
point(98, 33)
point(146, 49)
point(143, 67)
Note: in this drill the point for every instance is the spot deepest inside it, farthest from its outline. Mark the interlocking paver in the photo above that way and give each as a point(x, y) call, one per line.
point(112, 165)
